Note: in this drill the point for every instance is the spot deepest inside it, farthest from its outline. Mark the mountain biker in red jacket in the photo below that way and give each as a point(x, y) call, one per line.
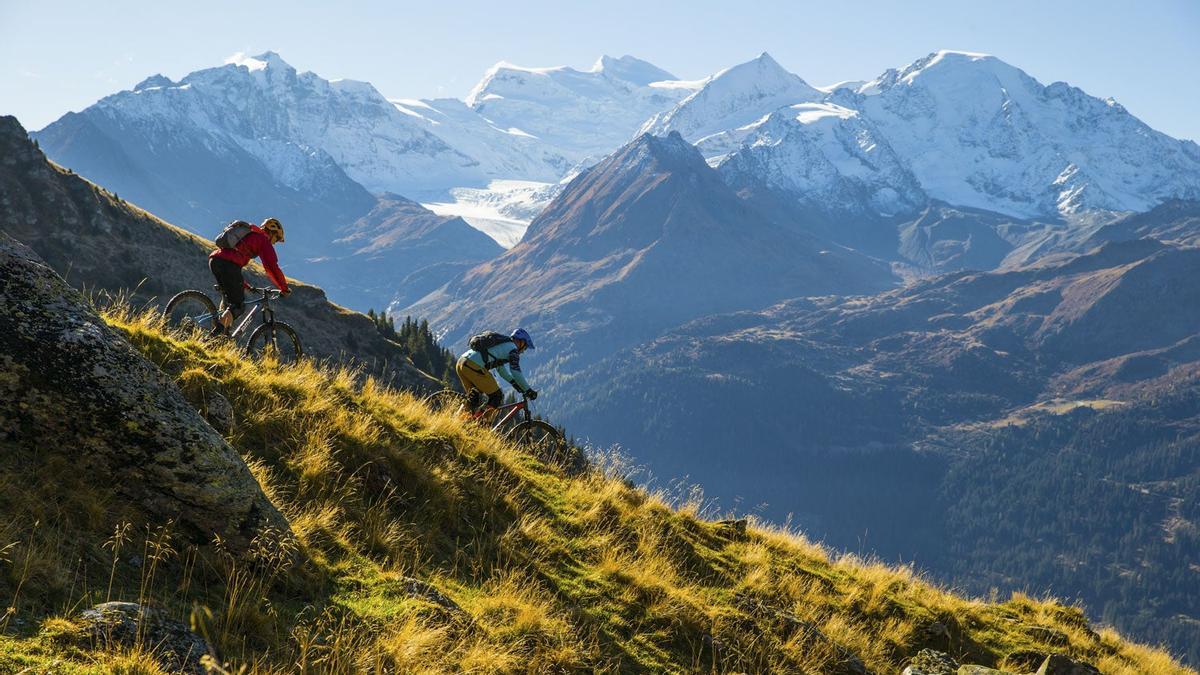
point(226, 266)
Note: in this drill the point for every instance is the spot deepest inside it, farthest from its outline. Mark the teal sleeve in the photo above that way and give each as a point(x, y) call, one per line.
point(513, 376)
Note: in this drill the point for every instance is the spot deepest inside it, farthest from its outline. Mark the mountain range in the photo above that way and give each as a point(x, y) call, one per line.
point(987, 159)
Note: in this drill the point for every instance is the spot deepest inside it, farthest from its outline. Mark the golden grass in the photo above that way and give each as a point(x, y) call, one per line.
point(550, 573)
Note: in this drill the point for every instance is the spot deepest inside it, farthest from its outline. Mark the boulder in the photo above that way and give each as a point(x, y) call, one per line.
point(981, 670)
point(1057, 664)
point(936, 636)
point(128, 624)
point(219, 412)
point(416, 588)
point(74, 390)
point(1024, 661)
point(931, 662)
point(734, 529)
point(1047, 635)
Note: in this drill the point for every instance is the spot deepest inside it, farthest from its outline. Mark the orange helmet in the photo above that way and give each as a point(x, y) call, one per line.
point(274, 229)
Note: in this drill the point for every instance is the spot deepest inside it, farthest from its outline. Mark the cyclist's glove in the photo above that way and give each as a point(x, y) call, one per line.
point(530, 394)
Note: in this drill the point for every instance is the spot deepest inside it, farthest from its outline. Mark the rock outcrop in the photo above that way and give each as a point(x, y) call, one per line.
point(128, 624)
point(72, 388)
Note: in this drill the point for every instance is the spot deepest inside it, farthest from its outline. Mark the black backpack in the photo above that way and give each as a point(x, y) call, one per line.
point(485, 341)
point(233, 234)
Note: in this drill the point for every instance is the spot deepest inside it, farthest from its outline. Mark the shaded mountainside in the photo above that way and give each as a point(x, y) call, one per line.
point(646, 239)
point(842, 409)
point(413, 542)
point(398, 250)
point(102, 243)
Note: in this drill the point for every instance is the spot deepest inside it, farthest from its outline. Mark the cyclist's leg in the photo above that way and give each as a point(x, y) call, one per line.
point(229, 278)
point(467, 387)
point(475, 378)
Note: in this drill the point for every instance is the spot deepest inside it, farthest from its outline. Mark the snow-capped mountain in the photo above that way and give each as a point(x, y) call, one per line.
point(825, 157)
point(263, 103)
point(731, 99)
point(978, 132)
point(502, 154)
point(971, 130)
point(580, 113)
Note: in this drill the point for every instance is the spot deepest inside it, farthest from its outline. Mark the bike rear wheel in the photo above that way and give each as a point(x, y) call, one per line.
point(190, 310)
point(448, 400)
point(275, 338)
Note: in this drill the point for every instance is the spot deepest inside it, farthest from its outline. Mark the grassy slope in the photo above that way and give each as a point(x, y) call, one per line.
point(554, 573)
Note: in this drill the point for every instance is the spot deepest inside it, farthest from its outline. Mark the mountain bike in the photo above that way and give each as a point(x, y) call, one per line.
point(513, 422)
point(194, 310)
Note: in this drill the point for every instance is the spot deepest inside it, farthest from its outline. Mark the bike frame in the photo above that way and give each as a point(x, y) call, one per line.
point(509, 410)
point(261, 303)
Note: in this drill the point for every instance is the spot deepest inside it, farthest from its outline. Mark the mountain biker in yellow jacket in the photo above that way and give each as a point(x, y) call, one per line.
point(503, 355)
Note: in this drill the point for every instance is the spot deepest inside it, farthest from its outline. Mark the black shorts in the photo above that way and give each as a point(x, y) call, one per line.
point(229, 278)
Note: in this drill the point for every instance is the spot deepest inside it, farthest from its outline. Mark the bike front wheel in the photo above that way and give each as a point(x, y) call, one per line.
point(190, 310)
point(276, 339)
point(537, 438)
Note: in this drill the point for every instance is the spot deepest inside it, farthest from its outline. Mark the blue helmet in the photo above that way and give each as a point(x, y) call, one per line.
point(522, 334)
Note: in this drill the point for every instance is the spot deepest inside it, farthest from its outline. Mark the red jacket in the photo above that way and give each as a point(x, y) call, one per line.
point(255, 245)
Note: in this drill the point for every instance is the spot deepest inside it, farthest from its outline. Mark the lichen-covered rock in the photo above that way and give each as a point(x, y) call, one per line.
point(936, 637)
point(72, 387)
point(1047, 635)
point(1057, 664)
point(1024, 661)
point(932, 662)
point(415, 588)
point(981, 670)
point(219, 412)
point(126, 624)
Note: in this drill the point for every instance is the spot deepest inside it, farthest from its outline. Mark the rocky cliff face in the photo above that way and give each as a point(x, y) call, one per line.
point(73, 385)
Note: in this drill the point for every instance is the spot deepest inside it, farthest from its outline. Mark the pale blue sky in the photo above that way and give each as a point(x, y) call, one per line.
point(60, 56)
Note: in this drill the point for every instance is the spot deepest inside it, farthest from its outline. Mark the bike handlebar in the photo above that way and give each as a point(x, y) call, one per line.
point(273, 293)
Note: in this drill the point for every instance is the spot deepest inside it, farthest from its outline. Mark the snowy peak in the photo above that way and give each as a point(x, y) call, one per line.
point(297, 125)
point(663, 153)
point(264, 61)
point(948, 69)
point(154, 81)
point(978, 132)
point(823, 157)
point(631, 69)
point(733, 98)
point(579, 114)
